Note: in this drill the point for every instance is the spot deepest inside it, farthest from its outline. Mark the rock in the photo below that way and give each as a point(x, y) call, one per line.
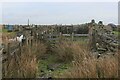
point(41, 71)
point(50, 78)
point(44, 57)
point(101, 49)
point(98, 56)
point(52, 67)
point(102, 39)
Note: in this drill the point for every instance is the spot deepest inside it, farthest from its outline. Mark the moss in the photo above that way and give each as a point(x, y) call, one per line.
point(116, 32)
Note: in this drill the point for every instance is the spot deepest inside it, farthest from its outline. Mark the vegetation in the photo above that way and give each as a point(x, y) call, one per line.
point(72, 59)
point(116, 32)
point(66, 58)
point(86, 65)
point(64, 53)
point(24, 65)
point(81, 63)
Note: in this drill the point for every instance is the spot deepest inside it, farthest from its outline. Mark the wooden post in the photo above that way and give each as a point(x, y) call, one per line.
point(90, 36)
point(50, 36)
point(72, 36)
point(20, 48)
point(8, 57)
point(67, 30)
point(8, 50)
point(27, 40)
point(31, 40)
point(60, 36)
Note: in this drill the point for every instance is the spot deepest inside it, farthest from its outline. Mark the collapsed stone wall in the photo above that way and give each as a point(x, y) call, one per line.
point(102, 38)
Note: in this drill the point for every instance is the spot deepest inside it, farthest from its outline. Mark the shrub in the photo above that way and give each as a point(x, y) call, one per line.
point(63, 51)
point(39, 49)
point(86, 65)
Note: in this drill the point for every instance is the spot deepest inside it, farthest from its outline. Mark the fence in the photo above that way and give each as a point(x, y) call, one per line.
point(10, 50)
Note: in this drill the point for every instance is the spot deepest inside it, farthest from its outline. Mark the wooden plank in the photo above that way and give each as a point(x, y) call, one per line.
point(77, 35)
point(80, 35)
point(66, 34)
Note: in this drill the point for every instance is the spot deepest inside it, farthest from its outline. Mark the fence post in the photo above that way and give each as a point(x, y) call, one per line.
point(8, 57)
point(20, 48)
point(8, 50)
point(72, 36)
point(60, 36)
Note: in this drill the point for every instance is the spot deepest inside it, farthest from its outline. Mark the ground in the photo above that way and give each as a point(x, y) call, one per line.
point(50, 67)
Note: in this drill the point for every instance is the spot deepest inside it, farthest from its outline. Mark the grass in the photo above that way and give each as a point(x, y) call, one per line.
point(78, 62)
point(82, 39)
point(6, 31)
point(52, 61)
point(108, 67)
point(3, 30)
point(92, 68)
point(86, 65)
point(116, 32)
point(39, 49)
point(7, 35)
point(63, 51)
point(24, 65)
point(73, 60)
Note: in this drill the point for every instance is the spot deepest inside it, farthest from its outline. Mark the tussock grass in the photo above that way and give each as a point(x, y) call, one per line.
point(107, 67)
point(39, 49)
point(86, 65)
point(24, 65)
point(63, 51)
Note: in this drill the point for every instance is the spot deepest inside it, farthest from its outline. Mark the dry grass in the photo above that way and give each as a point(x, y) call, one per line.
point(63, 51)
point(5, 36)
point(86, 65)
point(108, 67)
point(24, 65)
point(86, 69)
point(39, 49)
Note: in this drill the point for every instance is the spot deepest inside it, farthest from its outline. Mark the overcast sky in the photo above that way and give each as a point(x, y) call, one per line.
point(59, 12)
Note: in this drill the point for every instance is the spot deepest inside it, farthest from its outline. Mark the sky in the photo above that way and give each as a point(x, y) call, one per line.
point(59, 12)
